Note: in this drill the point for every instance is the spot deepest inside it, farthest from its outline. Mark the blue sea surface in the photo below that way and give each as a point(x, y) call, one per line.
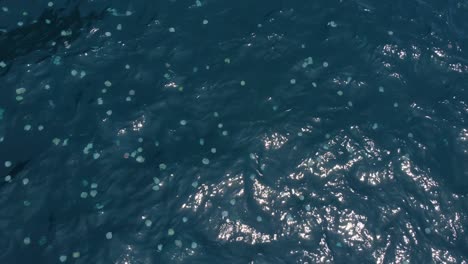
point(208, 131)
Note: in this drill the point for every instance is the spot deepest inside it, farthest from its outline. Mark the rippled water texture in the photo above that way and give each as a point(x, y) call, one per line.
point(233, 131)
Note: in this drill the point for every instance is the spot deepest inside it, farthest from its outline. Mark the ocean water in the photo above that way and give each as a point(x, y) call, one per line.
point(204, 131)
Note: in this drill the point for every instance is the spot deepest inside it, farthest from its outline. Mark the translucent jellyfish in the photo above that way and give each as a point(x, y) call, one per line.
point(148, 223)
point(170, 232)
point(178, 243)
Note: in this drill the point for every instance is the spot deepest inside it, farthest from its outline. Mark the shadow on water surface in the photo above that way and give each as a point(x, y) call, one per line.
point(43, 37)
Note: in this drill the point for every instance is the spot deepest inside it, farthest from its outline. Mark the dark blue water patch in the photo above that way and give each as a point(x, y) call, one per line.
point(206, 132)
